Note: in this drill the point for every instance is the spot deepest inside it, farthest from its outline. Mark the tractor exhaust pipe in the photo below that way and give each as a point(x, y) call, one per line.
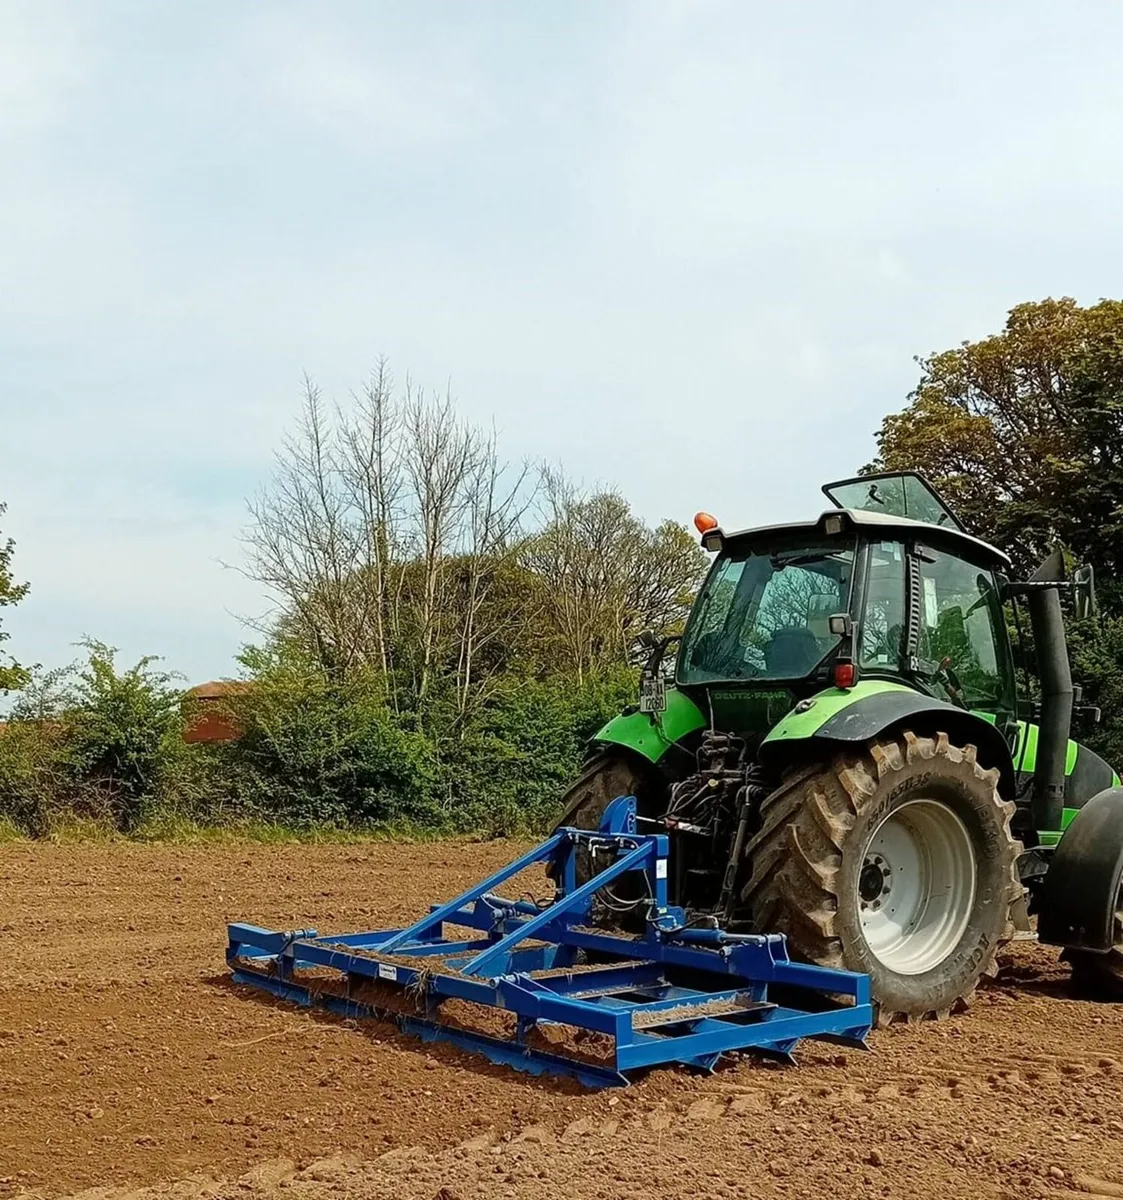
point(1055, 674)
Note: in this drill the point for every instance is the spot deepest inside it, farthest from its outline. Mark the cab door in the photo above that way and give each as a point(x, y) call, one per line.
point(963, 643)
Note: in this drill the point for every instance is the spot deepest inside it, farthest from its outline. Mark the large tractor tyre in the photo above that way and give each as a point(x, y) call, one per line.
point(899, 863)
point(1100, 976)
point(604, 777)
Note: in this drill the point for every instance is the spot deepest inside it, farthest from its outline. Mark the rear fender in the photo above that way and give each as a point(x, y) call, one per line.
point(840, 717)
point(1081, 888)
point(651, 735)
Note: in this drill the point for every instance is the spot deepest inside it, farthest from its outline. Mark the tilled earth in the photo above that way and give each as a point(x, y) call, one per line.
point(128, 1065)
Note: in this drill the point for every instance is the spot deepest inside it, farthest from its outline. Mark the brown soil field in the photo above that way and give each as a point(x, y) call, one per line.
point(130, 1067)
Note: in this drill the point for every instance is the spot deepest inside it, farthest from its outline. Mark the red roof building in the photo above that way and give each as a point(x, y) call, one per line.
point(206, 713)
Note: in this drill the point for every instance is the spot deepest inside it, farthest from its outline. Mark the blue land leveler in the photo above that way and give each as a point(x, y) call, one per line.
point(615, 1003)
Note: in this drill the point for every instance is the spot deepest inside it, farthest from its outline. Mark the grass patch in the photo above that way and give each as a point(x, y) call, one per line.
point(169, 829)
point(10, 831)
point(65, 828)
point(177, 830)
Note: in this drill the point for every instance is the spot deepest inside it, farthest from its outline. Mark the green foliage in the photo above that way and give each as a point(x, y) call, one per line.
point(316, 755)
point(34, 779)
point(1096, 647)
point(12, 675)
point(508, 773)
point(90, 741)
point(119, 725)
point(323, 753)
point(320, 751)
point(1023, 431)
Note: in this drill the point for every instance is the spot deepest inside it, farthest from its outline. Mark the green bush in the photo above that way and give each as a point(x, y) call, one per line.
point(34, 775)
point(508, 774)
point(120, 729)
point(89, 742)
point(1097, 664)
point(314, 753)
point(318, 752)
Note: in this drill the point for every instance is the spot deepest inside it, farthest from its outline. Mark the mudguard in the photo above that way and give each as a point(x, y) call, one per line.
point(1081, 888)
point(857, 714)
point(651, 735)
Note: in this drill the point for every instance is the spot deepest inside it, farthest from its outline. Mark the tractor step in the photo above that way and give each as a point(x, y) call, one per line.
point(514, 981)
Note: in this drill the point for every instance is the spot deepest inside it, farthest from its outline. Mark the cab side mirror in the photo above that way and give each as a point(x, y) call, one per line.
point(839, 624)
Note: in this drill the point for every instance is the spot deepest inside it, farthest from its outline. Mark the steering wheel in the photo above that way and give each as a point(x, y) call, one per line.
point(949, 681)
point(754, 657)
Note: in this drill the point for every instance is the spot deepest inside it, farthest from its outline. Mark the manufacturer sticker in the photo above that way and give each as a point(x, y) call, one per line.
point(387, 972)
point(660, 868)
point(931, 603)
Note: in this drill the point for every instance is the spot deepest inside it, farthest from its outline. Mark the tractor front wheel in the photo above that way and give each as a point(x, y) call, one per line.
point(898, 863)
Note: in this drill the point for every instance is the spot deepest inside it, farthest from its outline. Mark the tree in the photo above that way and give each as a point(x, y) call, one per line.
point(12, 675)
point(398, 542)
point(386, 534)
point(605, 576)
point(1023, 431)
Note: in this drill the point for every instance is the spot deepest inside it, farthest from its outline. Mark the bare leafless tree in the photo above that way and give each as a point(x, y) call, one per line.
point(441, 456)
point(373, 475)
point(301, 540)
point(497, 503)
point(383, 532)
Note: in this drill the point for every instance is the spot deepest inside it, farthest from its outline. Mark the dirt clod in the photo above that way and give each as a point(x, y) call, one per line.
point(269, 1174)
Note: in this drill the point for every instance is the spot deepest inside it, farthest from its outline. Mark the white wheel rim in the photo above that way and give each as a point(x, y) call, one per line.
point(916, 889)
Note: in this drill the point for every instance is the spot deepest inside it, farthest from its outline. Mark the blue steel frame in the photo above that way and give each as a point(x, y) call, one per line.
point(673, 994)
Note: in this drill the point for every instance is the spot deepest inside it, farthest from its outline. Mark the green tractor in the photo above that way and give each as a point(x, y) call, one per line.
point(844, 758)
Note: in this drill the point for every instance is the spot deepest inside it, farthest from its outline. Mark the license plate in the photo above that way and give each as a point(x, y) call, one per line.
point(652, 694)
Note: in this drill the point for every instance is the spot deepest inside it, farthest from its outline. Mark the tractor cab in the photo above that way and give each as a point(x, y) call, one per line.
point(888, 587)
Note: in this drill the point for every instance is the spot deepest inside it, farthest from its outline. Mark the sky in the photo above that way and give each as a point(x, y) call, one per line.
point(687, 248)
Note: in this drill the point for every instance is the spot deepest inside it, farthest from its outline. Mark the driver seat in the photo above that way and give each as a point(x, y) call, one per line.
point(792, 652)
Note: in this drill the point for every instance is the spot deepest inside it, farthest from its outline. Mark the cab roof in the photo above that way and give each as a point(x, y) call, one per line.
point(862, 520)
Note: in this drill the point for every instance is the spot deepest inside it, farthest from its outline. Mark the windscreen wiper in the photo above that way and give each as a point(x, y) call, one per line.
point(800, 559)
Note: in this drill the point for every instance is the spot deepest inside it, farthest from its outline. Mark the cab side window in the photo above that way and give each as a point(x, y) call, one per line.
point(960, 628)
point(883, 618)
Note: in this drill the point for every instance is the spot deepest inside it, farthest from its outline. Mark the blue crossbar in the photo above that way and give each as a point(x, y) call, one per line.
point(671, 995)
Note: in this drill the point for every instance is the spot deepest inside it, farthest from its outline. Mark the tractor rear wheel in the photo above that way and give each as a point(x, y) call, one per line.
point(604, 777)
point(898, 863)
